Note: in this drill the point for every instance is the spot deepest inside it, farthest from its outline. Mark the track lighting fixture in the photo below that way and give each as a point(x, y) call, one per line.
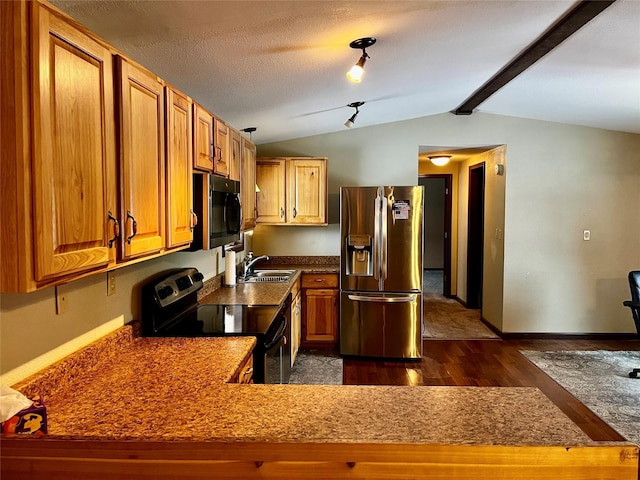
point(249, 130)
point(355, 74)
point(440, 160)
point(352, 119)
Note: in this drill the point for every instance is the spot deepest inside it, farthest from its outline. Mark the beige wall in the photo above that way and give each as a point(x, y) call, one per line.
point(33, 336)
point(560, 180)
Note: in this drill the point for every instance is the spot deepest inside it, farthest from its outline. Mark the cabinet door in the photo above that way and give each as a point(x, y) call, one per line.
point(307, 194)
point(248, 184)
point(180, 216)
point(235, 146)
point(202, 139)
point(142, 166)
point(321, 315)
point(270, 200)
point(296, 327)
point(73, 149)
point(221, 141)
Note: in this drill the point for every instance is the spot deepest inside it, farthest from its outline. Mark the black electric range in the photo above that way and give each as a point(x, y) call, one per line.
point(170, 309)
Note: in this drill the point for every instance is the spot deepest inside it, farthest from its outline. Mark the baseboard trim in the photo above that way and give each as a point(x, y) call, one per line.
point(459, 300)
point(568, 336)
point(491, 326)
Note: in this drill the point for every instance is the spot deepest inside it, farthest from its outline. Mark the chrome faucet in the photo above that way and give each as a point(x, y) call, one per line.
point(250, 261)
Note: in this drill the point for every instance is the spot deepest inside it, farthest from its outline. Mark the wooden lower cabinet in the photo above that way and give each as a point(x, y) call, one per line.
point(320, 311)
point(244, 374)
point(296, 321)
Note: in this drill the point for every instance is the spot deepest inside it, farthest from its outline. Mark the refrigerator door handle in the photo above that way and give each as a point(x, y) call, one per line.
point(377, 208)
point(367, 298)
point(384, 210)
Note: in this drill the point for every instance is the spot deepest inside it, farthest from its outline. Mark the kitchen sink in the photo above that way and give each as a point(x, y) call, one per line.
point(275, 276)
point(273, 273)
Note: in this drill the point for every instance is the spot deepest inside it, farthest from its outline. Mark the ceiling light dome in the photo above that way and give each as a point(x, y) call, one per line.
point(440, 160)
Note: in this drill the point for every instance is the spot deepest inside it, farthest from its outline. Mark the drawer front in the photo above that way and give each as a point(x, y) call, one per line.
point(319, 280)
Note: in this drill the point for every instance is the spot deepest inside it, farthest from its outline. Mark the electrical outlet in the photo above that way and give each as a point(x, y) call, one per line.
point(111, 283)
point(586, 235)
point(62, 299)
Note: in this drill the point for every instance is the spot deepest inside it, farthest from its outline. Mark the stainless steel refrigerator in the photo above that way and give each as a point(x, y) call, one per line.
point(381, 271)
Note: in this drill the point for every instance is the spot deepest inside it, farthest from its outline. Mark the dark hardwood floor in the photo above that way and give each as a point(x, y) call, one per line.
point(488, 363)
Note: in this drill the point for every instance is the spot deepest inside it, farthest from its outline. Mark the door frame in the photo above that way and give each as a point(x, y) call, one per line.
point(448, 182)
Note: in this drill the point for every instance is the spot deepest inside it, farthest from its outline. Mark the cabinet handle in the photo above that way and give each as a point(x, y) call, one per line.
point(212, 152)
point(116, 228)
point(320, 280)
point(134, 226)
point(218, 157)
point(281, 212)
point(295, 212)
point(194, 219)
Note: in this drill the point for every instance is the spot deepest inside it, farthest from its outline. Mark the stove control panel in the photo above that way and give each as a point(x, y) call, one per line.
point(177, 285)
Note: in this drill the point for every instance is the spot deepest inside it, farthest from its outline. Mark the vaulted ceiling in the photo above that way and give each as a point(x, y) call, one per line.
point(280, 65)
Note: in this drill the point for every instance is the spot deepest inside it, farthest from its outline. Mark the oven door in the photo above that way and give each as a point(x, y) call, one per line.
point(270, 353)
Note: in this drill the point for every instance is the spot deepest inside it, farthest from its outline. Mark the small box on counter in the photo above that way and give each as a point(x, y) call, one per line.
point(30, 421)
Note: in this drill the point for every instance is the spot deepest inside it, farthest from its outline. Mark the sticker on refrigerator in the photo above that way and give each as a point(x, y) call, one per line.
point(401, 209)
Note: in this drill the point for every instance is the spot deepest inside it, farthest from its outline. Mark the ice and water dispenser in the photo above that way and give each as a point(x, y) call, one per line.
point(359, 255)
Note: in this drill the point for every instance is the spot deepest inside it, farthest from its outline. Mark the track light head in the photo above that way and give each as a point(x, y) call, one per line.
point(356, 72)
point(349, 123)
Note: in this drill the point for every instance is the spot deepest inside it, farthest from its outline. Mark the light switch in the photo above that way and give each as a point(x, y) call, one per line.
point(586, 235)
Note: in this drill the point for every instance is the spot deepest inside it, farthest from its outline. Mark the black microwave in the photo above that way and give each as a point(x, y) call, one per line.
point(217, 204)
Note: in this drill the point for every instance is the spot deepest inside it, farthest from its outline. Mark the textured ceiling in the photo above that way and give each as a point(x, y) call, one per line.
point(280, 65)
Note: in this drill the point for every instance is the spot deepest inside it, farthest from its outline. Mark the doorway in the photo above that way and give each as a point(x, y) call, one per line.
point(475, 235)
point(437, 232)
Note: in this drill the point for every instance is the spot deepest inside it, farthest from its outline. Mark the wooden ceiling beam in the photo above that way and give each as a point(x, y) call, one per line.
point(579, 16)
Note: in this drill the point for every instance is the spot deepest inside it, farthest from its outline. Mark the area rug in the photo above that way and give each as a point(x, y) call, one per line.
point(600, 380)
point(316, 367)
point(446, 319)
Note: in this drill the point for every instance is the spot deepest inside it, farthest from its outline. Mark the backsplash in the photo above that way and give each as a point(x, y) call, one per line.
point(303, 260)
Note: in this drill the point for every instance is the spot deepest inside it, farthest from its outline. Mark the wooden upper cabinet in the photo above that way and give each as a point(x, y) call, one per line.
point(142, 160)
point(300, 191)
point(307, 191)
point(179, 191)
point(248, 184)
point(73, 184)
point(271, 199)
point(221, 147)
point(235, 154)
point(202, 139)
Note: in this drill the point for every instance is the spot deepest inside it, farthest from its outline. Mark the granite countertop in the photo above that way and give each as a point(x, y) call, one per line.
point(268, 293)
point(124, 387)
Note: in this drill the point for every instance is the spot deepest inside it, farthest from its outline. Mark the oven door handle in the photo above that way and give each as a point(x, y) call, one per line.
point(278, 336)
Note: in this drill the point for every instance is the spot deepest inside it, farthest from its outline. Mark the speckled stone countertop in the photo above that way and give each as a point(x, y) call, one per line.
point(267, 293)
point(174, 389)
point(270, 293)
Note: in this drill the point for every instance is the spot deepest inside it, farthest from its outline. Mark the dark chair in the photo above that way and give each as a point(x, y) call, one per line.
point(634, 305)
